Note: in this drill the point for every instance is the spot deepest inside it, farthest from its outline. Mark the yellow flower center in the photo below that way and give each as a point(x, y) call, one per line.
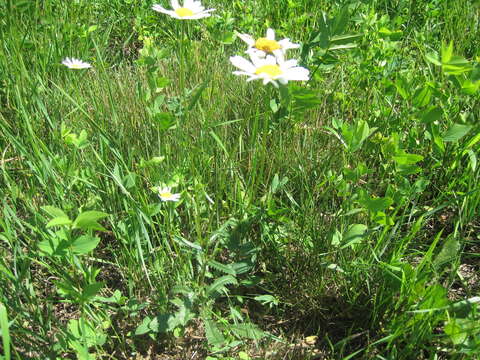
point(267, 45)
point(182, 12)
point(75, 66)
point(271, 70)
point(167, 195)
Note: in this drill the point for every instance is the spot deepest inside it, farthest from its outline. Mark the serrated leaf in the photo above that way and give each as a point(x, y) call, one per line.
point(227, 269)
point(84, 244)
point(213, 334)
point(456, 132)
point(247, 330)
point(219, 284)
point(88, 220)
point(242, 267)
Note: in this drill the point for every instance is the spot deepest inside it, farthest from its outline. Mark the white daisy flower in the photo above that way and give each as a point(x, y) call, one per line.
point(269, 69)
point(191, 10)
point(76, 64)
point(166, 194)
point(268, 45)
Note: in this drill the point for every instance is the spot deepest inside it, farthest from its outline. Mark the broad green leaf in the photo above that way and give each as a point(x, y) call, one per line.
point(4, 326)
point(91, 290)
point(53, 246)
point(455, 332)
point(88, 220)
point(469, 87)
point(448, 253)
point(144, 327)
point(407, 159)
point(162, 323)
point(59, 221)
point(354, 234)
point(456, 66)
point(422, 97)
point(185, 242)
point(456, 132)
point(54, 211)
point(84, 244)
point(431, 115)
point(165, 121)
point(433, 58)
point(447, 52)
point(376, 204)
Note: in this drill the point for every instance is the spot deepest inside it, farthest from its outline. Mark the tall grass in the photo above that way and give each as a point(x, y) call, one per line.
point(335, 219)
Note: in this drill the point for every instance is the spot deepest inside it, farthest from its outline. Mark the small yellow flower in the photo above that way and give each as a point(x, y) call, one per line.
point(268, 45)
point(191, 10)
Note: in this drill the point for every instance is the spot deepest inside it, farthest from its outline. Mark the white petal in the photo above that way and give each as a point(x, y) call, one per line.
point(270, 34)
point(175, 4)
point(297, 73)
point(247, 38)
point(256, 60)
point(243, 64)
point(270, 60)
point(287, 44)
point(197, 16)
point(196, 8)
point(282, 80)
point(253, 77)
point(289, 64)
point(188, 4)
point(279, 55)
point(241, 73)
point(160, 9)
point(255, 52)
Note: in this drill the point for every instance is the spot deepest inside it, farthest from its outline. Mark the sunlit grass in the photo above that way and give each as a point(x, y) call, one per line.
point(158, 204)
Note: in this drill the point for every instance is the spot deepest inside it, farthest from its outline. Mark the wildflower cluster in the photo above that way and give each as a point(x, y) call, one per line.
point(267, 59)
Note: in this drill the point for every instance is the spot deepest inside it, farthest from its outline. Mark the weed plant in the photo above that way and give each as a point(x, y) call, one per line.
point(333, 218)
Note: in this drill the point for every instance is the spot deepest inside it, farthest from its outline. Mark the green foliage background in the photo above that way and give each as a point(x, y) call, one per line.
point(345, 207)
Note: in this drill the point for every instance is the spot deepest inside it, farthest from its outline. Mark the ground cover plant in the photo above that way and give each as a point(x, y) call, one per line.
point(293, 179)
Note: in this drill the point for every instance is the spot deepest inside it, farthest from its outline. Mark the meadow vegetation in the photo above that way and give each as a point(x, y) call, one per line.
point(334, 218)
